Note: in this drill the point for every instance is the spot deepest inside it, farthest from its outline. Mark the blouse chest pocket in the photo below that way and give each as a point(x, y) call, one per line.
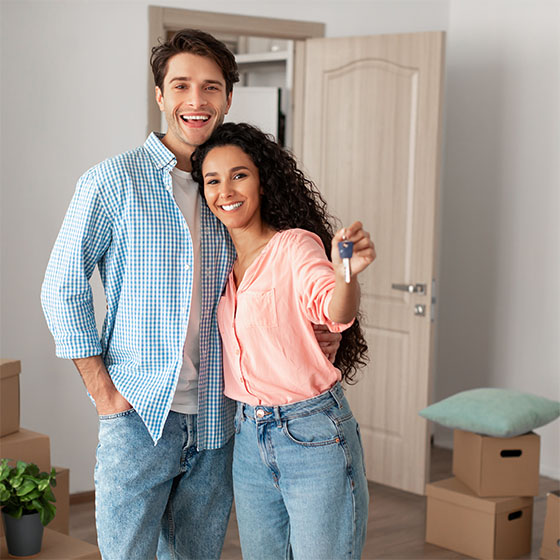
point(257, 309)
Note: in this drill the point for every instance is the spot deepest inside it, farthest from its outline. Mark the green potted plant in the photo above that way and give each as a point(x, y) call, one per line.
point(25, 499)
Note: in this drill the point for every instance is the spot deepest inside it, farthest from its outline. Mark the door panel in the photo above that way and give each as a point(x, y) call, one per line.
point(369, 138)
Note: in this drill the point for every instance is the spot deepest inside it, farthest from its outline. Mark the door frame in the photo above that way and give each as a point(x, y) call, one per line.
point(162, 19)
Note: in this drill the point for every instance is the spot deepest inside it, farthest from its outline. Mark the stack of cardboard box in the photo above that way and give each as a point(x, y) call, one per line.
point(24, 445)
point(486, 509)
point(550, 546)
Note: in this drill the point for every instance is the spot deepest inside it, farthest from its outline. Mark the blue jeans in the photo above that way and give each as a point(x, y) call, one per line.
point(299, 480)
point(168, 498)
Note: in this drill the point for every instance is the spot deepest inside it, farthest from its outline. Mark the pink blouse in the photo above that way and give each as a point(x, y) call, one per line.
point(271, 355)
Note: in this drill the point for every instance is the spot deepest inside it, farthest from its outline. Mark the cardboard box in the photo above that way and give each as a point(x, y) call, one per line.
point(550, 546)
point(61, 522)
point(9, 396)
point(493, 467)
point(459, 520)
point(57, 546)
point(27, 446)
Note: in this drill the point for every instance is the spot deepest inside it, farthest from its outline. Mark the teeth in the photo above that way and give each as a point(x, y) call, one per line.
point(195, 118)
point(230, 207)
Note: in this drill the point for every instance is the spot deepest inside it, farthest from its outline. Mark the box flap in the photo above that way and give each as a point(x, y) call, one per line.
point(453, 490)
point(554, 494)
point(9, 368)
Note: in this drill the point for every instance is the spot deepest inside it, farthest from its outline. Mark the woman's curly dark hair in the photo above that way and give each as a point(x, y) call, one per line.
point(289, 200)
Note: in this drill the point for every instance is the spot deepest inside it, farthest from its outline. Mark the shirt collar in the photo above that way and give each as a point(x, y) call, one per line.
point(160, 155)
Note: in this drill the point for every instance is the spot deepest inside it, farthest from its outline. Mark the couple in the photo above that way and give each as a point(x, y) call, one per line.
point(167, 410)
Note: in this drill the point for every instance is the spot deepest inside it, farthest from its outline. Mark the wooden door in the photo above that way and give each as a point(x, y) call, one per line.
point(367, 111)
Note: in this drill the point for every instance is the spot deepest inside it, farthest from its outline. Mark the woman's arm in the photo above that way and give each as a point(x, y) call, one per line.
point(345, 300)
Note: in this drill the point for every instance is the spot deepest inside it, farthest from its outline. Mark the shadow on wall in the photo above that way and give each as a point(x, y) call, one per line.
point(473, 196)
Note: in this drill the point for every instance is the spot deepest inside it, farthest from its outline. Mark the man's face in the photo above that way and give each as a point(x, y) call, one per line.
point(194, 101)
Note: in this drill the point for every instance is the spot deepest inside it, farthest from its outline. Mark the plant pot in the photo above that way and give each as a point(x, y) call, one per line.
point(24, 536)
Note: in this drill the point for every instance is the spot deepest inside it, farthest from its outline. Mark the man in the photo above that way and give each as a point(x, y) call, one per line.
point(163, 471)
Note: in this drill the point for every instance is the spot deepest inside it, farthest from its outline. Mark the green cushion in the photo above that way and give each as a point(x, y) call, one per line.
point(493, 412)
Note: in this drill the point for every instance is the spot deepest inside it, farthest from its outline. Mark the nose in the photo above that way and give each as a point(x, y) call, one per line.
point(196, 98)
point(226, 189)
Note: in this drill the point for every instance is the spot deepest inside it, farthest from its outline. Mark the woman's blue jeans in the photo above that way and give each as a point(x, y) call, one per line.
point(299, 480)
point(168, 497)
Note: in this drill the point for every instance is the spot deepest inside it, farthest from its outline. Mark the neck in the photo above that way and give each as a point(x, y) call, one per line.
point(249, 241)
point(183, 156)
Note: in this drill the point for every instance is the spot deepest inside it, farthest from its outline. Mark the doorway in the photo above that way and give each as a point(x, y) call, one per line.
point(265, 49)
point(366, 122)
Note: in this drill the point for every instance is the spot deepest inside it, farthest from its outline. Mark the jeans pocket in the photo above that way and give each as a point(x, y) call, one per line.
point(313, 430)
point(105, 417)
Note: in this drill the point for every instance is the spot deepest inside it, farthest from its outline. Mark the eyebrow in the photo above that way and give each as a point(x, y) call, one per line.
point(188, 79)
point(232, 170)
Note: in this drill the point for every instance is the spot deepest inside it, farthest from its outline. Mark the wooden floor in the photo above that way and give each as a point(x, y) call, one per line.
point(395, 528)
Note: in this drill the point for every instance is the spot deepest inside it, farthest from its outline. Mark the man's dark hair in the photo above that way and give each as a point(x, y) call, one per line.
point(197, 42)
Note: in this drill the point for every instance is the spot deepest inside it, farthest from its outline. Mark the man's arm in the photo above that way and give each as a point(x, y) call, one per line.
point(67, 297)
point(66, 294)
point(100, 386)
point(329, 342)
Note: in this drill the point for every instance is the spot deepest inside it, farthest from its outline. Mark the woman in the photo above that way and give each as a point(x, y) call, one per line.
point(299, 479)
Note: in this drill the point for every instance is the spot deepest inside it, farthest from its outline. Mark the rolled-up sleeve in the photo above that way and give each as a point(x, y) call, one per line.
point(66, 294)
point(315, 280)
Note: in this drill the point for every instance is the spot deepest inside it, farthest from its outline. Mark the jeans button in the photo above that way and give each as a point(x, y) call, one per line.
point(260, 413)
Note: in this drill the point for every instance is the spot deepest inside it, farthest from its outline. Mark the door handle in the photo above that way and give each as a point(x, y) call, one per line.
point(410, 288)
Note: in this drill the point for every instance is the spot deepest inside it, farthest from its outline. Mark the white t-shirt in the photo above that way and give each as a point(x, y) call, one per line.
point(185, 191)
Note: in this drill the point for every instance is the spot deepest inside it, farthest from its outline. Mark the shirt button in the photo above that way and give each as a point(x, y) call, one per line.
point(260, 413)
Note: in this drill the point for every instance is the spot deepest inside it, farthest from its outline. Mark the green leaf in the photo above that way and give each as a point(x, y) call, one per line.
point(18, 512)
point(17, 481)
point(33, 469)
point(52, 511)
point(49, 495)
point(47, 513)
point(4, 469)
point(20, 467)
point(25, 488)
point(42, 484)
point(37, 504)
point(33, 495)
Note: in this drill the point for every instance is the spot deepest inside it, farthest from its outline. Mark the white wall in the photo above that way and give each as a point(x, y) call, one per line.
point(499, 308)
point(73, 92)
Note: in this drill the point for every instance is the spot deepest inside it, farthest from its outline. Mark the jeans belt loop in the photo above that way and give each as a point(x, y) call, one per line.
point(240, 412)
point(334, 393)
point(277, 416)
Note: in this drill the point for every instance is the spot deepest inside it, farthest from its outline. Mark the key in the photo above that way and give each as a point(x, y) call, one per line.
point(345, 250)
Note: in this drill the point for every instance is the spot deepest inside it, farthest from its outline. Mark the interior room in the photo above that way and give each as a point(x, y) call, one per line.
point(76, 89)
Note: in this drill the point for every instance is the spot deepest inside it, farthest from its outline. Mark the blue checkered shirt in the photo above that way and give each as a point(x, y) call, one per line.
point(123, 218)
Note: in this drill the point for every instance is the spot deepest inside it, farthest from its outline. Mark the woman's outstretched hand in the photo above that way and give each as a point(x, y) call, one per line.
point(363, 252)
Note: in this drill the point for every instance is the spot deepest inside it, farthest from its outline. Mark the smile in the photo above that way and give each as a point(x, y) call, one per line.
point(193, 118)
point(230, 207)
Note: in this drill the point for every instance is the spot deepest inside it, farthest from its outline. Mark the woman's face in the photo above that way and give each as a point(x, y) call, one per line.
point(232, 188)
